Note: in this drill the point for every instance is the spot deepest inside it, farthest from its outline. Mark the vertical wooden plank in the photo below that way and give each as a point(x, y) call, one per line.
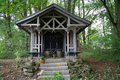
point(38, 22)
point(74, 37)
point(41, 42)
point(71, 40)
point(35, 41)
point(67, 41)
point(53, 21)
point(64, 43)
point(31, 40)
point(38, 43)
point(68, 25)
point(31, 44)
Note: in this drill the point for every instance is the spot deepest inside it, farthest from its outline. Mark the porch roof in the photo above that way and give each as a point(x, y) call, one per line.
point(49, 7)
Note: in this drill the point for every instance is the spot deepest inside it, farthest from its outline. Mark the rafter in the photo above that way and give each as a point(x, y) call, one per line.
point(46, 24)
point(30, 25)
point(60, 24)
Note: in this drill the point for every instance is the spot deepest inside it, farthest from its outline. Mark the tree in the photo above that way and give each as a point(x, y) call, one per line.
point(115, 21)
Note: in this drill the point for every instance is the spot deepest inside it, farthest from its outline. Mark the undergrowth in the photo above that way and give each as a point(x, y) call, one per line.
point(101, 54)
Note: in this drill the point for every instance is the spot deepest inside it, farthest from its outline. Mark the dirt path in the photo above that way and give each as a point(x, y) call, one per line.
point(9, 72)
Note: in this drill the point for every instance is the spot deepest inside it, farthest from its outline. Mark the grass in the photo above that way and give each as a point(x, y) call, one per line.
point(105, 66)
point(100, 55)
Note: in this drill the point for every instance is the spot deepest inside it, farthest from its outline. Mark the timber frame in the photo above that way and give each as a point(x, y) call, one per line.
point(53, 20)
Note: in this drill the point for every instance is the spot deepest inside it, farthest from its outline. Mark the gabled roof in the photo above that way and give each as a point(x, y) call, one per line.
point(49, 7)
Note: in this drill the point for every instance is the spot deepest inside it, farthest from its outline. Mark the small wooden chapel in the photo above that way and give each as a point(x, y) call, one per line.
point(53, 29)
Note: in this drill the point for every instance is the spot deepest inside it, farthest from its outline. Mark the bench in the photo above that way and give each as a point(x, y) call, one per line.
point(73, 53)
point(31, 54)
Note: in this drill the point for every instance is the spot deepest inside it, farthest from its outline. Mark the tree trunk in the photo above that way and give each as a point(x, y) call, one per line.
point(83, 32)
point(118, 19)
point(79, 7)
point(69, 5)
point(8, 19)
point(73, 6)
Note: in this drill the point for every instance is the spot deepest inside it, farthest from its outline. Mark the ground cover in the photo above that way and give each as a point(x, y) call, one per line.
point(101, 69)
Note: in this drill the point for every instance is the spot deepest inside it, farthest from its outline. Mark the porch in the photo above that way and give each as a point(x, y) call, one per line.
point(59, 55)
point(53, 30)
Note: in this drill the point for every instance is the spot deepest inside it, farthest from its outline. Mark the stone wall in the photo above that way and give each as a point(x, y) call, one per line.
point(30, 68)
point(78, 68)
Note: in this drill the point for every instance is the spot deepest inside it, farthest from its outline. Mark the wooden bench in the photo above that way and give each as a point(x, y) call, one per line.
point(31, 54)
point(73, 53)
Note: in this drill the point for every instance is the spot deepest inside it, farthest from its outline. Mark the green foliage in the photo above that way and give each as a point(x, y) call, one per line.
point(17, 55)
point(56, 76)
point(38, 61)
point(42, 58)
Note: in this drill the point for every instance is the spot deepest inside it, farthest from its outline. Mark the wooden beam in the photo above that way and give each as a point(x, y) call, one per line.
point(80, 25)
point(27, 29)
point(63, 16)
point(30, 24)
point(54, 28)
point(74, 39)
point(44, 32)
point(39, 15)
point(46, 24)
point(68, 16)
point(64, 43)
point(38, 22)
point(31, 41)
point(47, 15)
point(68, 23)
point(60, 24)
point(78, 30)
point(67, 41)
point(53, 22)
point(52, 16)
point(39, 42)
point(36, 41)
point(60, 15)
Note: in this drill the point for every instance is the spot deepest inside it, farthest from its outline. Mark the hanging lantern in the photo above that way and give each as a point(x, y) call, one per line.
point(68, 34)
point(38, 34)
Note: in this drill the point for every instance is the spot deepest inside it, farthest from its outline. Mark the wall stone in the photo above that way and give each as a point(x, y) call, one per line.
point(78, 67)
point(30, 68)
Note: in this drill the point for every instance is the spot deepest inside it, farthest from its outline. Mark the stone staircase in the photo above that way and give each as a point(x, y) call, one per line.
point(54, 65)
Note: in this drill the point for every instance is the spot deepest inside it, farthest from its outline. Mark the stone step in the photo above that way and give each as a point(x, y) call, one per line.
point(52, 60)
point(53, 64)
point(54, 68)
point(50, 72)
point(65, 76)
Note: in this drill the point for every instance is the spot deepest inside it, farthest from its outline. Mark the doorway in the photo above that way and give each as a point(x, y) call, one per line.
point(53, 42)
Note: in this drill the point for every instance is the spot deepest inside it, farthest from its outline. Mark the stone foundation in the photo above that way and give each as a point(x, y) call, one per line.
point(30, 68)
point(78, 68)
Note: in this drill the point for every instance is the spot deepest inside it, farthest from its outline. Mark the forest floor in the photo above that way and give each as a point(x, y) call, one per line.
point(101, 69)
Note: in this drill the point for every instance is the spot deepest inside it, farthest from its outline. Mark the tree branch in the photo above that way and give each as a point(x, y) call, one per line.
point(87, 12)
point(111, 18)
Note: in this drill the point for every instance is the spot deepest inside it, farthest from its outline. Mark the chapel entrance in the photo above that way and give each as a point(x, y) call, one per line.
point(53, 42)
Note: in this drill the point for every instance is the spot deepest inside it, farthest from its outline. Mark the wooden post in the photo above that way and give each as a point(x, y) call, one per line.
point(53, 22)
point(31, 43)
point(38, 43)
point(74, 37)
point(35, 41)
point(64, 43)
point(67, 41)
point(68, 25)
point(41, 42)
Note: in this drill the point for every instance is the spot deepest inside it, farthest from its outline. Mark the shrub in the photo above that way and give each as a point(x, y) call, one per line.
point(55, 76)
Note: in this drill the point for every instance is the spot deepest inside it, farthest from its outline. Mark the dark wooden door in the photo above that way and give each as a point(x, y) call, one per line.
point(53, 42)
